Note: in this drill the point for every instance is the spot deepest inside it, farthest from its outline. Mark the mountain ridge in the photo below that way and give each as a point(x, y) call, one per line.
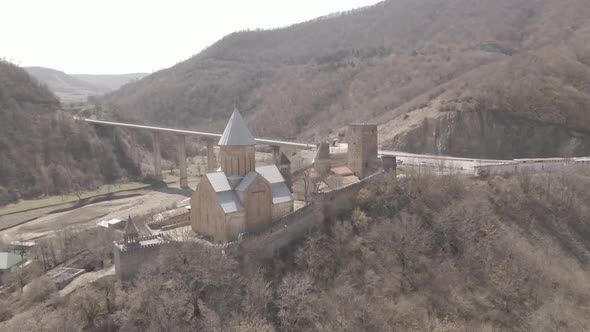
point(311, 79)
point(110, 81)
point(78, 87)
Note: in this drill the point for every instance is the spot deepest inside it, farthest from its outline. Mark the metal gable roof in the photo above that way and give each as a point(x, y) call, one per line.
point(271, 173)
point(281, 193)
point(323, 151)
point(8, 260)
point(284, 160)
point(218, 181)
point(236, 132)
point(229, 202)
point(246, 181)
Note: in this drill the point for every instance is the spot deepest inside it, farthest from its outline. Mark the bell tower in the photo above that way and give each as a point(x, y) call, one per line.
point(237, 148)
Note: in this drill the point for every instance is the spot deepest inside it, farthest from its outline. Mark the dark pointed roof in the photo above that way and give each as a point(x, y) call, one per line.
point(130, 228)
point(236, 131)
point(284, 160)
point(323, 151)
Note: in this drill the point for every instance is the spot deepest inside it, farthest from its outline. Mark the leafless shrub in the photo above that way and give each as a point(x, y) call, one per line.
point(359, 219)
point(39, 290)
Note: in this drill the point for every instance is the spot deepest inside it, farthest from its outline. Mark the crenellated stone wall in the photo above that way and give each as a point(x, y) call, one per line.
point(129, 258)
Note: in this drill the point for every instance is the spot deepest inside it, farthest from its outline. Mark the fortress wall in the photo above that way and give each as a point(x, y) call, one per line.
point(281, 210)
point(298, 224)
point(293, 227)
point(341, 200)
point(282, 232)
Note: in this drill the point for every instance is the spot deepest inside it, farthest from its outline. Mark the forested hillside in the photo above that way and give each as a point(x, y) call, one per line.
point(110, 82)
point(381, 62)
point(66, 87)
point(425, 253)
point(78, 87)
point(43, 151)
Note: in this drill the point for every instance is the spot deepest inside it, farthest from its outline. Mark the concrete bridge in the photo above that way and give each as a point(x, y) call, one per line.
point(211, 139)
point(466, 165)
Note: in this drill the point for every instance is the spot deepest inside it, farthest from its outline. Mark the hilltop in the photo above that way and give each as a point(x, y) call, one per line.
point(78, 87)
point(110, 82)
point(44, 152)
point(66, 87)
point(382, 63)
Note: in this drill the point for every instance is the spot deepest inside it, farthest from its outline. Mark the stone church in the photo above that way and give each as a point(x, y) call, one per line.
point(239, 197)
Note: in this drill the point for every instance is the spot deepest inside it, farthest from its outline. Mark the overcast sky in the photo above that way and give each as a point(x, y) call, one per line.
point(123, 36)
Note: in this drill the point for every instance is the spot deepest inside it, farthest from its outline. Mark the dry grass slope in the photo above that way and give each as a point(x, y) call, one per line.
point(524, 58)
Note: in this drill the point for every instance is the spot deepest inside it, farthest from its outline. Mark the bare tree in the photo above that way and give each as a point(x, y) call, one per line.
point(311, 185)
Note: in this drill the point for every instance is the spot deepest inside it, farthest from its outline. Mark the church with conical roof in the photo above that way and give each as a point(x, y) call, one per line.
point(239, 197)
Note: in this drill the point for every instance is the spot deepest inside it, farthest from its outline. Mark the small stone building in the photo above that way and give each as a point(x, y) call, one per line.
point(240, 197)
point(133, 251)
point(8, 260)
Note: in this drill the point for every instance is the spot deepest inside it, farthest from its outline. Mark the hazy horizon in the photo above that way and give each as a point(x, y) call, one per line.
point(114, 37)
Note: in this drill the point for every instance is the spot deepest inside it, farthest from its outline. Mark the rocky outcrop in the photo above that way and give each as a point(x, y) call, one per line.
point(494, 135)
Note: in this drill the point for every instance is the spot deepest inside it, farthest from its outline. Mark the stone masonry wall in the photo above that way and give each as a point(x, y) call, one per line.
point(129, 261)
point(279, 234)
point(298, 224)
point(362, 148)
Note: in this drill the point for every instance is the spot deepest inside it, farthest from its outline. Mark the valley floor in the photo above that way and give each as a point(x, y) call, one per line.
point(45, 222)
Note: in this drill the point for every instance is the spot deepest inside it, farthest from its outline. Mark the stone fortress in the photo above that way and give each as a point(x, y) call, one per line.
point(250, 210)
point(239, 202)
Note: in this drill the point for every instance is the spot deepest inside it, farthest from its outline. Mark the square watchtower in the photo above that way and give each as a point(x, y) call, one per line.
point(362, 148)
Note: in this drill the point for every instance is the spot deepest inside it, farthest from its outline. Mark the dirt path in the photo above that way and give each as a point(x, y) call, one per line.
point(86, 279)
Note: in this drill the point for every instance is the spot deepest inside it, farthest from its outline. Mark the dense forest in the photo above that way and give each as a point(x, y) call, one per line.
point(423, 253)
point(526, 59)
point(44, 152)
